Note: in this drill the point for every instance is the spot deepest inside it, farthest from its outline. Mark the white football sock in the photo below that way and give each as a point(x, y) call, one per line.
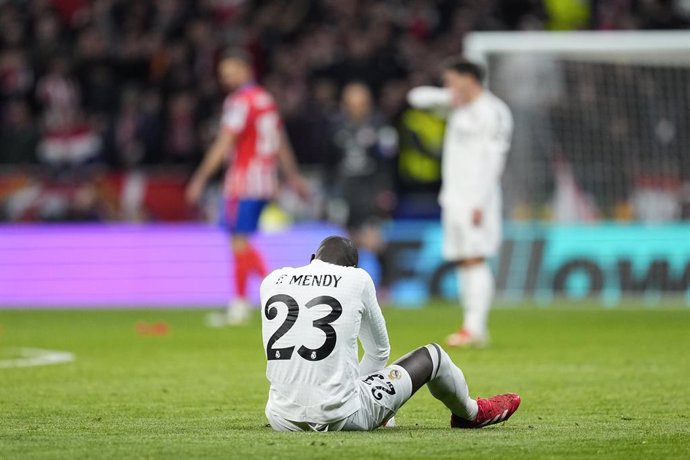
point(477, 287)
point(448, 385)
point(237, 311)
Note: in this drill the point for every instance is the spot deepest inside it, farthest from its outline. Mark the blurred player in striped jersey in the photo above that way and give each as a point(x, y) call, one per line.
point(253, 142)
point(476, 143)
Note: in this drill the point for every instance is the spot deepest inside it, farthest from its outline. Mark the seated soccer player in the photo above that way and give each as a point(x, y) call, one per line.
point(312, 317)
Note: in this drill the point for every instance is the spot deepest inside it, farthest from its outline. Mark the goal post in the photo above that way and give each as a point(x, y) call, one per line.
point(479, 45)
point(602, 122)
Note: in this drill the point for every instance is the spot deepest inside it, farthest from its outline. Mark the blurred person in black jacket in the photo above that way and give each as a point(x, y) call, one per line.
point(361, 182)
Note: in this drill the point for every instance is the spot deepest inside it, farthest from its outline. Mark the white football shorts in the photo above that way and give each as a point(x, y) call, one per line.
point(381, 395)
point(464, 240)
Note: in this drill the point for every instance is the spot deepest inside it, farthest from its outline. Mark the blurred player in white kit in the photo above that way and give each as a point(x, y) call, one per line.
point(477, 140)
point(312, 317)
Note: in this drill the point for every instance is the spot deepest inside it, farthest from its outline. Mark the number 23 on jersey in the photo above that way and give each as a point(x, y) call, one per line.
point(323, 324)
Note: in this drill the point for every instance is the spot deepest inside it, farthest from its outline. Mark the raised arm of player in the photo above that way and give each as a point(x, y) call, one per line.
point(430, 98)
point(213, 160)
point(288, 164)
point(373, 333)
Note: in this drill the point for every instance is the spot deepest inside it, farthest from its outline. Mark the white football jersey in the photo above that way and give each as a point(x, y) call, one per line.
point(474, 152)
point(475, 146)
point(311, 319)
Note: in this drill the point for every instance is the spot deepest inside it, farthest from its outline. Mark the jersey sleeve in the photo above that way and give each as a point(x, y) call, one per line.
point(373, 333)
point(430, 98)
point(235, 115)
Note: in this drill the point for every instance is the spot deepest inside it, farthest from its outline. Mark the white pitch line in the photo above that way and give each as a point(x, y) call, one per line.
point(29, 357)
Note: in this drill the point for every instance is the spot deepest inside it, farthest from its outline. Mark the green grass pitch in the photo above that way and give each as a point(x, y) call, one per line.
point(594, 383)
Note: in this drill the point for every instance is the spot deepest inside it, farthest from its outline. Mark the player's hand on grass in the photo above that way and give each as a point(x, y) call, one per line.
point(477, 217)
point(390, 423)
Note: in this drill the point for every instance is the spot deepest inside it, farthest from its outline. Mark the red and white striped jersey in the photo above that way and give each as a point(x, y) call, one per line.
point(251, 116)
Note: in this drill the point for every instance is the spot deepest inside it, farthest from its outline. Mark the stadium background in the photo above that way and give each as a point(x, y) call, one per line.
point(106, 106)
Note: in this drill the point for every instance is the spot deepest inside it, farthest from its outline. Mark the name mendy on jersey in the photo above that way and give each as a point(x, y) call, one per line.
point(312, 280)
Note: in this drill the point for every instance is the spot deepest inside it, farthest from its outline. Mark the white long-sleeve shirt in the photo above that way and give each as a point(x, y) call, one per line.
point(475, 146)
point(312, 317)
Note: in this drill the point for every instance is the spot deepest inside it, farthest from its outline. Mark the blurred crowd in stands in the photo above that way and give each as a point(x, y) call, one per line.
point(110, 88)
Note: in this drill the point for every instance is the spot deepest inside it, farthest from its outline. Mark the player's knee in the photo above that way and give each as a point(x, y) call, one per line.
point(238, 242)
point(464, 263)
point(436, 354)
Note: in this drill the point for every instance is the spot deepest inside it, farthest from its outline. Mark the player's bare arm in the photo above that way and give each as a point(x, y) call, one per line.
point(288, 164)
point(212, 162)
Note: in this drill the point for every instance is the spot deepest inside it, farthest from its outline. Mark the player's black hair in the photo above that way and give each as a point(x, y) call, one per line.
point(337, 250)
point(464, 66)
point(237, 54)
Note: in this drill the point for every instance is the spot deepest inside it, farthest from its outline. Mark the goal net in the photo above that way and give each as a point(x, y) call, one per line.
point(602, 122)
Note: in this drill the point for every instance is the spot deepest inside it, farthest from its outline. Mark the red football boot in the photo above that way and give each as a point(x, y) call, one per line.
point(495, 409)
point(465, 339)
